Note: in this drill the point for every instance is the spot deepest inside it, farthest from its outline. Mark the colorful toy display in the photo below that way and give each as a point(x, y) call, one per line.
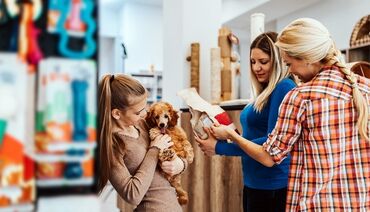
point(28, 48)
point(66, 121)
point(16, 170)
point(73, 19)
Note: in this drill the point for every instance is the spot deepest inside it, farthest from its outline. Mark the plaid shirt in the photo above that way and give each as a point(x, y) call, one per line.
point(330, 164)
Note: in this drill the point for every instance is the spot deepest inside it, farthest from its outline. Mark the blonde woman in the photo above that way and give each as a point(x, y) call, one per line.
point(323, 124)
point(264, 187)
point(127, 157)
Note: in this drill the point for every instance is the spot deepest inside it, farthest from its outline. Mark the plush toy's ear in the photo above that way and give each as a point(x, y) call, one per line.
point(149, 118)
point(173, 114)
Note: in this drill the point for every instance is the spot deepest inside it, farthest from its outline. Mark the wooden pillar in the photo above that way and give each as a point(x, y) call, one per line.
point(194, 65)
point(225, 45)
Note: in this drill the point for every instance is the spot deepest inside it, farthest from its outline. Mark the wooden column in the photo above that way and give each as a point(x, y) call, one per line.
point(225, 45)
point(194, 65)
point(215, 183)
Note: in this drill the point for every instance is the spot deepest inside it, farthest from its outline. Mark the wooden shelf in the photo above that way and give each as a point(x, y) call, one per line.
point(357, 53)
point(152, 81)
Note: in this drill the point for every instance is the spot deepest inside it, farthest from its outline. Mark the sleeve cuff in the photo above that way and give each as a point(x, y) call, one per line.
point(220, 147)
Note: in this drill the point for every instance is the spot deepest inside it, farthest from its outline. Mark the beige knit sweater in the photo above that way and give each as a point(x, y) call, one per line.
point(137, 179)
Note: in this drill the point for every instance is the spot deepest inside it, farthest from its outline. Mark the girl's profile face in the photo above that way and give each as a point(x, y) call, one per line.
point(300, 67)
point(261, 65)
point(133, 114)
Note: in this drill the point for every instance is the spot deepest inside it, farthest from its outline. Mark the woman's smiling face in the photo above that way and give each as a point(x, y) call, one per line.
point(261, 65)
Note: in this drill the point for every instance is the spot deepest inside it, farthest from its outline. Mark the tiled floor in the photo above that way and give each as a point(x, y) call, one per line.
point(106, 202)
point(108, 199)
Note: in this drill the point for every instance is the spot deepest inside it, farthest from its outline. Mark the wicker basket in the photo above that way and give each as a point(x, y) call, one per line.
point(361, 68)
point(361, 33)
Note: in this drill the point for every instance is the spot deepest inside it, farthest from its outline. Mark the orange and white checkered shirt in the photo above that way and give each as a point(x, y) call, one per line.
point(330, 163)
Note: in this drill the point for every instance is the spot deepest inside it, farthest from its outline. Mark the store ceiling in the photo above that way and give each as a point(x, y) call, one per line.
point(119, 3)
point(236, 13)
point(273, 9)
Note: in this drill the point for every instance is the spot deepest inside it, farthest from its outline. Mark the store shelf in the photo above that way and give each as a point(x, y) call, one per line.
point(65, 146)
point(18, 208)
point(152, 81)
point(64, 182)
point(62, 157)
point(358, 53)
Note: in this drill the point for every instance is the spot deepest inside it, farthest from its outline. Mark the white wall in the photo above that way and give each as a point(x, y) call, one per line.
point(245, 43)
point(141, 28)
point(339, 16)
point(141, 31)
point(185, 24)
point(110, 53)
point(108, 21)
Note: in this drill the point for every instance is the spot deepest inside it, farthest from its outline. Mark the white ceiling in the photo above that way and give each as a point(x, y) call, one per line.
point(236, 13)
point(273, 9)
point(118, 3)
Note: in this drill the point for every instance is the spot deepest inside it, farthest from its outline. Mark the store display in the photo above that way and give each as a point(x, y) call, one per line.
point(28, 48)
point(66, 122)
point(76, 20)
point(34, 165)
point(17, 186)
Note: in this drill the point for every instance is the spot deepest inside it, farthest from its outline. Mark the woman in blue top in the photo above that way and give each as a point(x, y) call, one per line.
point(264, 187)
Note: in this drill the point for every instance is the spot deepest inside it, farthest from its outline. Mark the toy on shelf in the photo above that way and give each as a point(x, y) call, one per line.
point(73, 19)
point(66, 122)
point(28, 48)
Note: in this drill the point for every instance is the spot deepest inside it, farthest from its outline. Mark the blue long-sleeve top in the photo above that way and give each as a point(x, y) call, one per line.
point(256, 126)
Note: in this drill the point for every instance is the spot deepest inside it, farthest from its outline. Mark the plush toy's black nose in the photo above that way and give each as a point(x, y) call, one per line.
point(161, 125)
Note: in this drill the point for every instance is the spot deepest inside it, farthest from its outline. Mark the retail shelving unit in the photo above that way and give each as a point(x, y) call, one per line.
point(358, 53)
point(152, 81)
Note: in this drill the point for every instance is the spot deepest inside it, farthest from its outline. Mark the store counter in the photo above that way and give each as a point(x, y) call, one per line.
point(213, 183)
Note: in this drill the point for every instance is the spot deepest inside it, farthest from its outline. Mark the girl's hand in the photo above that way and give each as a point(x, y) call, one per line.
point(208, 146)
point(221, 132)
point(162, 142)
point(173, 167)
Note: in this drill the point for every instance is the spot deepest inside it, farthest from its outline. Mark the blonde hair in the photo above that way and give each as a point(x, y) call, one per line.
point(115, 92)
point(309, 40)
point(265, 42)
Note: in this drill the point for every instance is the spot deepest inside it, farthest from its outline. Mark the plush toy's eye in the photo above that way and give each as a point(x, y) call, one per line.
point(156, 117)
point(166, 116)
